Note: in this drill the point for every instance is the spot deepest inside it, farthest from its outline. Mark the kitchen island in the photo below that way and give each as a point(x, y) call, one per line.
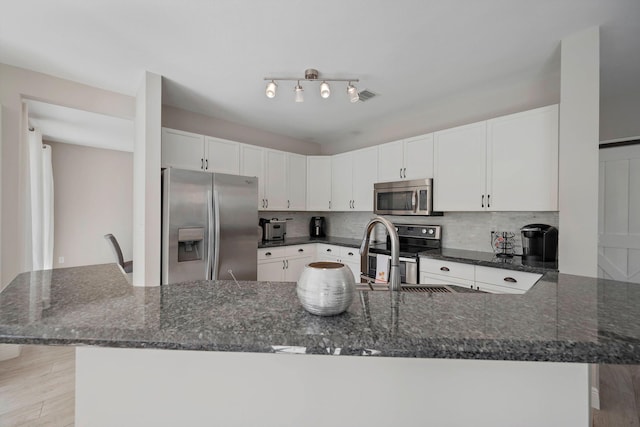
point(425, 353)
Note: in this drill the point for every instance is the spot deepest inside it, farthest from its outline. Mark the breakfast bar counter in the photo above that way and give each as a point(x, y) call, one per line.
point(225, 338)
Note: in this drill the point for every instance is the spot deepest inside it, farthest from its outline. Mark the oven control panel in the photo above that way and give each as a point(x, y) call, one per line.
point(419, 231)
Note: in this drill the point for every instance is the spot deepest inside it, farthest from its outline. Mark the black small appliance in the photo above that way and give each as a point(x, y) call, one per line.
point(317, 226)
point(539, 242)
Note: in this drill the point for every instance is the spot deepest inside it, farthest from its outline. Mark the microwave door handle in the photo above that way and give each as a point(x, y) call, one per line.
point(414, 196)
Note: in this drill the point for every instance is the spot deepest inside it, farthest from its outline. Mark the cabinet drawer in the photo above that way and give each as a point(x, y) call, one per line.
point(323, 248)
point(265, 254)
point(350, 254)
point(447, 268)
point(299, 251)
point(519, 280)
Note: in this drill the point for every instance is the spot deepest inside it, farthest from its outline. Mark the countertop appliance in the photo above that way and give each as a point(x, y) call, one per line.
point(208, 226)
point(414, 197)
point(317, 226)
point(413, 240)
point(539, 242)
point(273, 229)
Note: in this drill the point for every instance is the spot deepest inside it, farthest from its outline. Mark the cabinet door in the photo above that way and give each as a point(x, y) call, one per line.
point(275, 188)
point(364, 176)
point(390, 161)
point(460, 168)
point(182, 150)
point(273, 271)
point(418, 157)
point(295, 267)
point(222, 156)
point(297, 178)
point(252, 164)
point(522, 161)
point(341, 182)
point(318, 183)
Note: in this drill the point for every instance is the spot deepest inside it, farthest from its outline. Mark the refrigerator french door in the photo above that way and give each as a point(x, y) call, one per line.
point(209, 224)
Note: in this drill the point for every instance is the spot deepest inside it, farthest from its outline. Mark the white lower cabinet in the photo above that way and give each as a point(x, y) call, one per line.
point(487, 279)
point(345, 255)
point(284, 263)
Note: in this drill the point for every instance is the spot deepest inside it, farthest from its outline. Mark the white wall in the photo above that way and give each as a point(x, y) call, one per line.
point(188, 121)
point(17, 84)
point(578, 159)
point(93, 196)
point(620, 115)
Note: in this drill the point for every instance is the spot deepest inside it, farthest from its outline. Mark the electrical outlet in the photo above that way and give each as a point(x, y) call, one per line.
point(61, 260)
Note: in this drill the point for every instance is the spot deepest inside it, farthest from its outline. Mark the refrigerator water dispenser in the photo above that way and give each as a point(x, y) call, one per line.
point(190, 244)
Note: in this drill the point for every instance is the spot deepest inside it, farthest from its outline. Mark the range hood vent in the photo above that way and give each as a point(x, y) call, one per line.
point(365, 95)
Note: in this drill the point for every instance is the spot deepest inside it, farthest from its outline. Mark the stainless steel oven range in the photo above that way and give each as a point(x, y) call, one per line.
point(414, 239)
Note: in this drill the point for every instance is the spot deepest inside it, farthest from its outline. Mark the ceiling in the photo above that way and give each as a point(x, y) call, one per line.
point(416, 55)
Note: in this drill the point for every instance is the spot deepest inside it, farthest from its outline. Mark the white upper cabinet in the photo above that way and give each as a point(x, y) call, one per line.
point(297, 182)
point(186, 150)
point(460, 168)
point(275, 188)
point(352, 179)
point(390, 161)
point(222, 156)
point(418, 157)
point(364, 176)
point(183, 150)
point(505, 164)
point(318, 183)
point(406, 159)
point(522, 161)
point(252, 164)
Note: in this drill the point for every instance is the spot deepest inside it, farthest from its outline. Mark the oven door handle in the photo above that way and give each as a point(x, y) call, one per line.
point(411, 260)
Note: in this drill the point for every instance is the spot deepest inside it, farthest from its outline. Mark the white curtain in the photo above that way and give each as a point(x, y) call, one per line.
point(41, 202)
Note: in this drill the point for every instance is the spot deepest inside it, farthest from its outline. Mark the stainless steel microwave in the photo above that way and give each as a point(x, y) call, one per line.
point(414, 197)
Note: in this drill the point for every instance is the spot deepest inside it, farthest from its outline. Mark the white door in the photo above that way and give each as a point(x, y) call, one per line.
point(619, 214)
point(364, 176)
point(390, 161)
point(297, 178)
point(460, 168)
point(418, 157)
point(275, 188)
point(341, 182)
point(222, 156)
point(252, 164)
point(318, 183)
point(522, 161)
point(272, 271)
point(183, 150)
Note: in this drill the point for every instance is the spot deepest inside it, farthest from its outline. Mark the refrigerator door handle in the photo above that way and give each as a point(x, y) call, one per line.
point(210, 235)
point(216, 238)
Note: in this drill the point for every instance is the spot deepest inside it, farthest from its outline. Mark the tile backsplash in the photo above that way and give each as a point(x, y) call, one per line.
point(460, 230)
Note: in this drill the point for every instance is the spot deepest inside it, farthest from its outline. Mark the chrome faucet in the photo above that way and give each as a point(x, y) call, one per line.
point(394, 272)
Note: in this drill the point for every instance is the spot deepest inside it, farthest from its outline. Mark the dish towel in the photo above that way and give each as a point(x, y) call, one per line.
point(382, 268)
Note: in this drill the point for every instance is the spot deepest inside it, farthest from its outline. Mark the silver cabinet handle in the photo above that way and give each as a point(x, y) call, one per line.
point(404, 172)
point(288, 204)
point(202, 163)
point(329, 204)
point(328, 250)
point(482, 203)
point(400, 172)
point(267, 254)
point(266, 201)
point(444, 268)
point(287, 261)
point(283, 265)
point(510, 280)
point(206, 164)
point(350, 253)
point(300, 250)
point(488, 200)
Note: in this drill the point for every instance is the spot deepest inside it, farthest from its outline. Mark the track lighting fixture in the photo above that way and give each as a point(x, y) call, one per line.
point(311, 75)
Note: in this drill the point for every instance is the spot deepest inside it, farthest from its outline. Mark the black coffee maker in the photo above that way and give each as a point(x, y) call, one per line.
point(539, 243)
point(317, 226)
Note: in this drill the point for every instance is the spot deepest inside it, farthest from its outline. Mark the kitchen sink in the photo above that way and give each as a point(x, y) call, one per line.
point(432, 289)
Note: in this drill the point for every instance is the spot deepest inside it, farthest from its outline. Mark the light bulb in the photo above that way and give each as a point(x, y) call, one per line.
point(299, 93)
point(324, 90)
point(353, 93)
point(271, 89)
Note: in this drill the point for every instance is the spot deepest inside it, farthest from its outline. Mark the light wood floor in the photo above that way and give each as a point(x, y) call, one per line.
point(38, 389)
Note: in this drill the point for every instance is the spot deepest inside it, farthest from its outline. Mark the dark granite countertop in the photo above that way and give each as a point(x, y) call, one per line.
point(490, 259)
point(290, 241)
point(562, 318)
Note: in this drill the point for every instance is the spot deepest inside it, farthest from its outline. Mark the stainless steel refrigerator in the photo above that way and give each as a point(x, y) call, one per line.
point(209, 226)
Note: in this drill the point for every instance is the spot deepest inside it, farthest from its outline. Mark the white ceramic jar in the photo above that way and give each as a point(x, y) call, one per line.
point(326, 288)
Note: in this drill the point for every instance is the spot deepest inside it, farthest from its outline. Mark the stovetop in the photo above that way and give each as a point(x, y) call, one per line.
point(405, 252)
